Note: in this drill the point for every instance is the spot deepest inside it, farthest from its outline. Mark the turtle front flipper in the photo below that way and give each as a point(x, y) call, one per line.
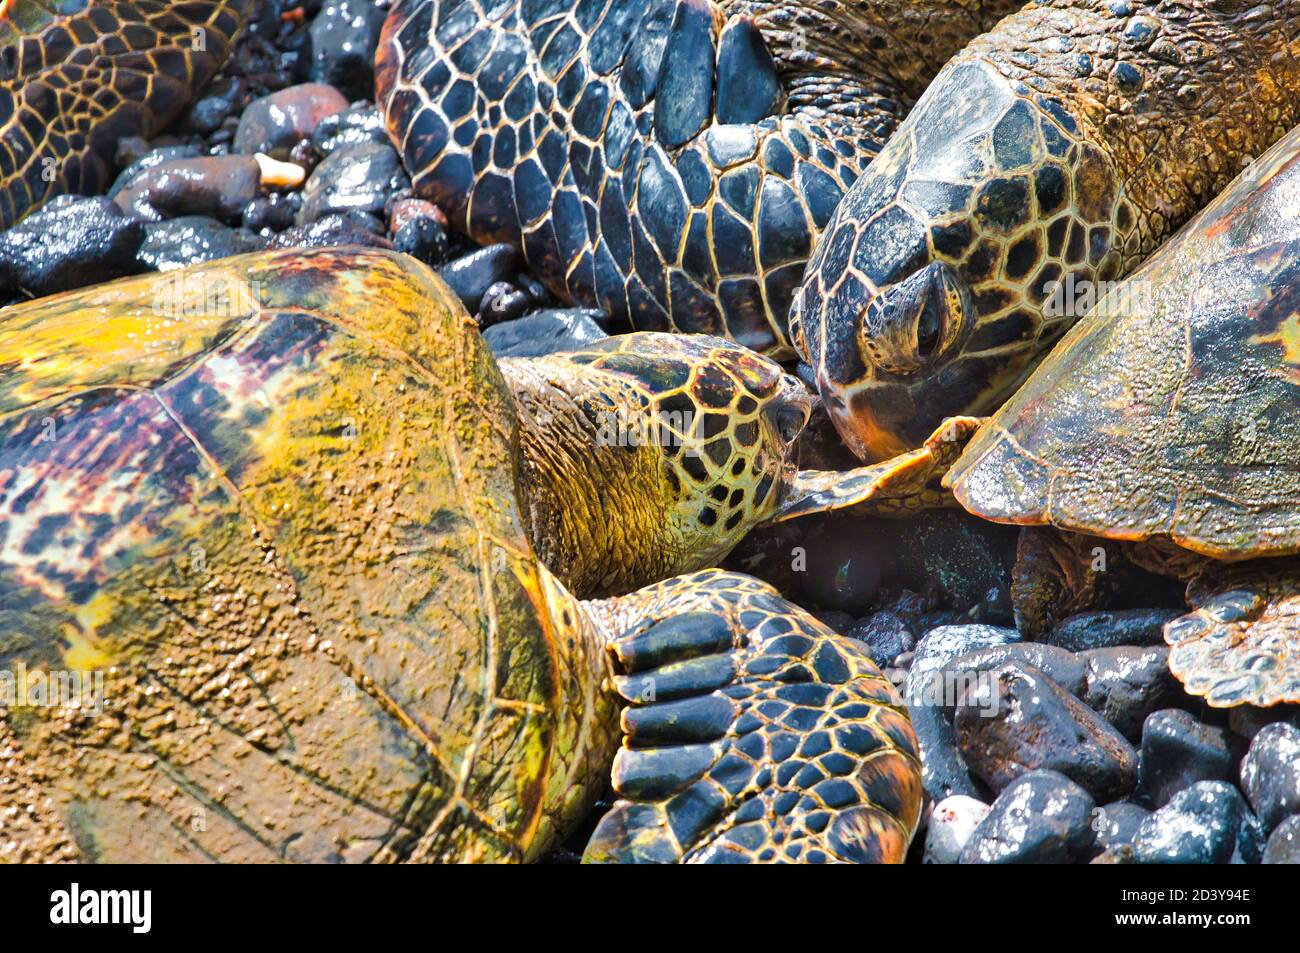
point(753, 734)
point(899, 486)
point(1241, 643)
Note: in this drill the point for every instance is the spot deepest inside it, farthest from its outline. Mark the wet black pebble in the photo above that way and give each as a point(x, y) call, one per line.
point(1117, 823)
point(415, 227)
point(216, 186)
point(471, 276)
point(273, 213)
point(1270, 774)
point(501, 302)
point(1128, 682)
point(359, 123)
point(1062, 667)
point(218, 103)
point(190, 239)
point(1284, 843)
point(544, 332)
point(943, 772)
point(885, 634)
point(344, 37)
point(1177, 751)
point(1200, 825)
point(1016, 719)
point(1041, 818)
point(70, 243)
point(147, 160)
point(1099, 630)
point(352, 228)
point(355, 178)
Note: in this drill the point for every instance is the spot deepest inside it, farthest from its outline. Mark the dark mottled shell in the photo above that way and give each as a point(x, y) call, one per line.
point(272, 501)
point(1172, 409)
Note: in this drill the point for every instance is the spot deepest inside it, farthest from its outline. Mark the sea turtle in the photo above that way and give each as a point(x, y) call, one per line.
point(278, 508)
point(78, 75)
point(1050, 156)
point(669, 161)
point(1169, 417)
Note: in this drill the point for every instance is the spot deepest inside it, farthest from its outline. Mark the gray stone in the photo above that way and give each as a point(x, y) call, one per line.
point(1096, 630)
point(1270, 774)
point(1126, 683)
point(1041, 818)
point(1199, 826)
point(1178, 751)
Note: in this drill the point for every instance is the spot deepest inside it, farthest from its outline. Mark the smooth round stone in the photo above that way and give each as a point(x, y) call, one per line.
point(1199, 826)
point(274, 212)
point(1015, 719)
point(1270, 774)
point(190, 239)
point(885, 634)
point(1099, 630)
point(544, 332)
point(1041, 818)
point(356, 178)
point(70, 243)
point(1116, 824)
point(943, 772)
point(1062, 667)
point(501, 302)
point(1284, 843)
point(1177, 751)
point(952, 822)
point(353, 228)
point(218, 103)
point(216, 186)
point(472, 275)
point(274, 124)
point(1126, 683)
point(344, 37)
point(355, 125)
point(148, 160)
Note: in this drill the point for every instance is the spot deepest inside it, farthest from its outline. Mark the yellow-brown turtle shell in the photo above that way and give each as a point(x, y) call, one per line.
point(268, 506)
point(1172, 410)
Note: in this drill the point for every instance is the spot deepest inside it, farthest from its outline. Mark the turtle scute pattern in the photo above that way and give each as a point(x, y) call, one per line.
point(1055, 152)
point(284, 529)
point(782, 744)
point(79, 76)
point(653, 159)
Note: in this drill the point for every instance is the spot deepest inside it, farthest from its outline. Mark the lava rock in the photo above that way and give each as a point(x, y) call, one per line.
point(418, 229)
point(943, 772)
point(276, 123)
point(272, 213)
point(354, 228)
point(952, 822)
point(1128, 682)
point(190, 239)
point(1284, 843)
point(544, 332)
point(344, 37)
point(1015, 719)
point(357, 124)
point(1270, 774)
point(1041, 818)
point(70, 243)
point(885, 634)
point(148, 160)
point(1199, 826)
point(352, 179)
point(218, 103)
point(501, 302)
point(1178, 751)
point(471, 276)
point(1101, 630)
point(1062, 667)
point(216, 186)
point(1117, 824)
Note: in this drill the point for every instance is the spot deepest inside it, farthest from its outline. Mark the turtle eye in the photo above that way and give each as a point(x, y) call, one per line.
point(929, 326)
point(789, 420)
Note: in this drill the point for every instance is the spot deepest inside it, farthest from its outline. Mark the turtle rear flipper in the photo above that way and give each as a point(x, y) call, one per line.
point(754, 734)
point(1241, 643)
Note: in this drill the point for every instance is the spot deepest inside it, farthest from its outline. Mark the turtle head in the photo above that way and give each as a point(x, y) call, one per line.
point(931, 292)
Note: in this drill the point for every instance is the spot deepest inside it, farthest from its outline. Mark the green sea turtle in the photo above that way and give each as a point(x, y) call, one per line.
point(669, 161)
point(281, 505)
point(1050, 156)
point(1169, 418)
point(78, 75)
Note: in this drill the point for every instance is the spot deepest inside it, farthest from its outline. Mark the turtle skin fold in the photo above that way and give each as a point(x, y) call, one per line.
point(76, 76)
